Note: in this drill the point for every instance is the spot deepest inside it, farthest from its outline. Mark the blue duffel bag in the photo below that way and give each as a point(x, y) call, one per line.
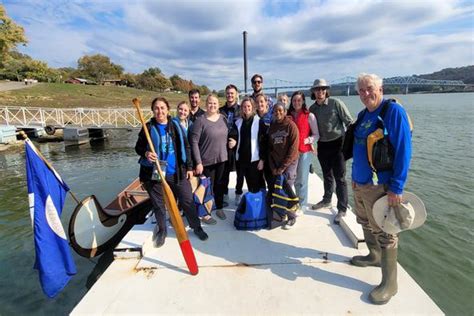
point(251, 213)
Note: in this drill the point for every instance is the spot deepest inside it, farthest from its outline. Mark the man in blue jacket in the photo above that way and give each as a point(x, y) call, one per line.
point(369, 184)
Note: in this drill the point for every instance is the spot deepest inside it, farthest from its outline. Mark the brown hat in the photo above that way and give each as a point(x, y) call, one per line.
point(320, 83)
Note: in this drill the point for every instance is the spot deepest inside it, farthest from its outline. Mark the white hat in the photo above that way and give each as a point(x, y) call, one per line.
point(320, 83)
point(409, 215)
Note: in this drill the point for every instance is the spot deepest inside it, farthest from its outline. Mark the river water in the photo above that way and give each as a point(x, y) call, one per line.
point(439, 255)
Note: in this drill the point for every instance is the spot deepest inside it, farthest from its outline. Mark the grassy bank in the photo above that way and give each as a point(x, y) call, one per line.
point(58, 95)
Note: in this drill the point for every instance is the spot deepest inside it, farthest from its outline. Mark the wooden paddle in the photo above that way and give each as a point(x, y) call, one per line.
point(170, 203)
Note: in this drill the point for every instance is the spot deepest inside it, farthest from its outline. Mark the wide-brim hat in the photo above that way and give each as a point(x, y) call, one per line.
point(320, 83)
point(409, 215)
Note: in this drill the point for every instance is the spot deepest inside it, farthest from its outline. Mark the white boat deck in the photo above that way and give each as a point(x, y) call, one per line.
point(304, 270)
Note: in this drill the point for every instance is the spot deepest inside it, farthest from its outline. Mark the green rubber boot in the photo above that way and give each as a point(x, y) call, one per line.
point(388, 287)
point(374, 256)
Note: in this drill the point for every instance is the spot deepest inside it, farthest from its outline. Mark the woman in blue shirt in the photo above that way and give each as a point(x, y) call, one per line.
point(173, 151)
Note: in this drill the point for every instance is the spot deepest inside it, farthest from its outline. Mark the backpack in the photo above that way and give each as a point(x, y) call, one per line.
point(202, 195)
point(251, 213)
point(380, 152)
point(283, 201)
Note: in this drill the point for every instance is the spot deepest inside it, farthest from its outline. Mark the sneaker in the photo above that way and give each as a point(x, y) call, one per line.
point(299, 212)
point(220, 214)
point(238, 197)
point(321, 204)
point(209, 220)
point(158, 237)
point(201, 234)
point(288, 225)
point(337, 218)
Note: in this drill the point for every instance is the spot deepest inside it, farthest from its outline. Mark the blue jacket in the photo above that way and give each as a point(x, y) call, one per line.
point(181, 148)
point(399, 134)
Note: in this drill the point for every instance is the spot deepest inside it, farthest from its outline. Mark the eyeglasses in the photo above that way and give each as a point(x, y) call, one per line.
point(256, 81)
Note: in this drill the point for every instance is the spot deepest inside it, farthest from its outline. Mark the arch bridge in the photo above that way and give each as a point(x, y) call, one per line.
point(348, 82)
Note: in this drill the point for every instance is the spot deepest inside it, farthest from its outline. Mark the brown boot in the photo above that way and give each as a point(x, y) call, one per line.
point(388, 287)
point(374, 256)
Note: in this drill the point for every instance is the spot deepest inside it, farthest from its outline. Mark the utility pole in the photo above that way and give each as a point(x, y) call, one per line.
point(245, 61)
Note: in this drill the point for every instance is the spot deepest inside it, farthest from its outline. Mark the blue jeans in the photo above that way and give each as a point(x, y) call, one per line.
point(302, 173)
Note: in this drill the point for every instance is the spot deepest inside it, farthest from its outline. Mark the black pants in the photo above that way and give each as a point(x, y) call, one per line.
point(267, 176)
point(253, 176)
point(182, 192)
point(229, 167)
point(240, 180)
point(333, 166)
point(216, 173)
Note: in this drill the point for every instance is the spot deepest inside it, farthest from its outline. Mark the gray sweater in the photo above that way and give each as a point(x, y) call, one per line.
point(333, 117)
point(209, 141)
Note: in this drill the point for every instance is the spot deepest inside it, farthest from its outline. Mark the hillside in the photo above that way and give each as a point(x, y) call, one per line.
point(61, 95)
point(466, 74)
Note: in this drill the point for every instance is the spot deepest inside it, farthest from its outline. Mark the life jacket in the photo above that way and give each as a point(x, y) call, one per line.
point(302, 122)
point(202, 195)
point(251, 213)
point(380, 152)
point(155, 138)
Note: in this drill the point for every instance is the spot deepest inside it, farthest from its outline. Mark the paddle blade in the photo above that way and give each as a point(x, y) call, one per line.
point(189, 257)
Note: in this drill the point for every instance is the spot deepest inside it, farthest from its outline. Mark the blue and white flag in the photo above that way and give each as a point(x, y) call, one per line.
point(46, 194)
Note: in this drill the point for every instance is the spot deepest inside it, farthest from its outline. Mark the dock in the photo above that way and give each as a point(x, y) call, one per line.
point(304, 270)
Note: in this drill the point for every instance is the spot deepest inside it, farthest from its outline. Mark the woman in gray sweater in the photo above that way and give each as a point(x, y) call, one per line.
point(209, 148)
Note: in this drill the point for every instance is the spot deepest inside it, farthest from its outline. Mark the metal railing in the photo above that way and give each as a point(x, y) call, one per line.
point(81, 117)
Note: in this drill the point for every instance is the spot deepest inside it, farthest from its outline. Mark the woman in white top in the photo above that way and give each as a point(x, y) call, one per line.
point(251, 145)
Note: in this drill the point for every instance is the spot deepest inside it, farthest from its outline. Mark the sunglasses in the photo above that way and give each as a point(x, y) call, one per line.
point(320, 89)
point(256, 81)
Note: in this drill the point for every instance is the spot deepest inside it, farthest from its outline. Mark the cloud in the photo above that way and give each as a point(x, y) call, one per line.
point(294, 41)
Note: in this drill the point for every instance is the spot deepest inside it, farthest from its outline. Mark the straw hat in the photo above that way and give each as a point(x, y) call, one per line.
point(320, 83)
point(409, 215)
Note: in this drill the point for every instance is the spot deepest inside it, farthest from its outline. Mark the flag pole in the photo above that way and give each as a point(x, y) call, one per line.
point(25, 137)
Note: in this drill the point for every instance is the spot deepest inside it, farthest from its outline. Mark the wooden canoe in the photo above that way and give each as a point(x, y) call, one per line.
point(94, 229)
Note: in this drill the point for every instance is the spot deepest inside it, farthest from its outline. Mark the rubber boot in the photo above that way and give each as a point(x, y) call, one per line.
point(374, 256)
point(388, 287)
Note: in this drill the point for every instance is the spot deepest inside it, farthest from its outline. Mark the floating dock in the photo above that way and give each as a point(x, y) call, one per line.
point(304, 270)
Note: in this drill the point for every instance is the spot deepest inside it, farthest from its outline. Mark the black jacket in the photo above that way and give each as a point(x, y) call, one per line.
point(141, 147)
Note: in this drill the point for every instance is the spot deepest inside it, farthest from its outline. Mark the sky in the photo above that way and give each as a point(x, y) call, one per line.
point(288, 41)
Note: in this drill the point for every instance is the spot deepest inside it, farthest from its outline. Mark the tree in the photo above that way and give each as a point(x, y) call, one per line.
point(98, 67)
point(40, 71)
point(180, 84)
point(153, 79)
point(18, 66)
point(203, 90)
point(152, 72)
point(129, 80)
point(11, 34)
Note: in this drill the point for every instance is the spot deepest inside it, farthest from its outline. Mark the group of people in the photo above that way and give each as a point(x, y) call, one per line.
point(260, 140)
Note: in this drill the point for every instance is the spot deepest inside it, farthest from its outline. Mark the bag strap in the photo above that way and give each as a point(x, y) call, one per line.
point(381, 116)
point(359, 117)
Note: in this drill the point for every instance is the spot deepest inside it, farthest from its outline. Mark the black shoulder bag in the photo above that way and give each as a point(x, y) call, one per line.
point(382, 152)
point(348, 143)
